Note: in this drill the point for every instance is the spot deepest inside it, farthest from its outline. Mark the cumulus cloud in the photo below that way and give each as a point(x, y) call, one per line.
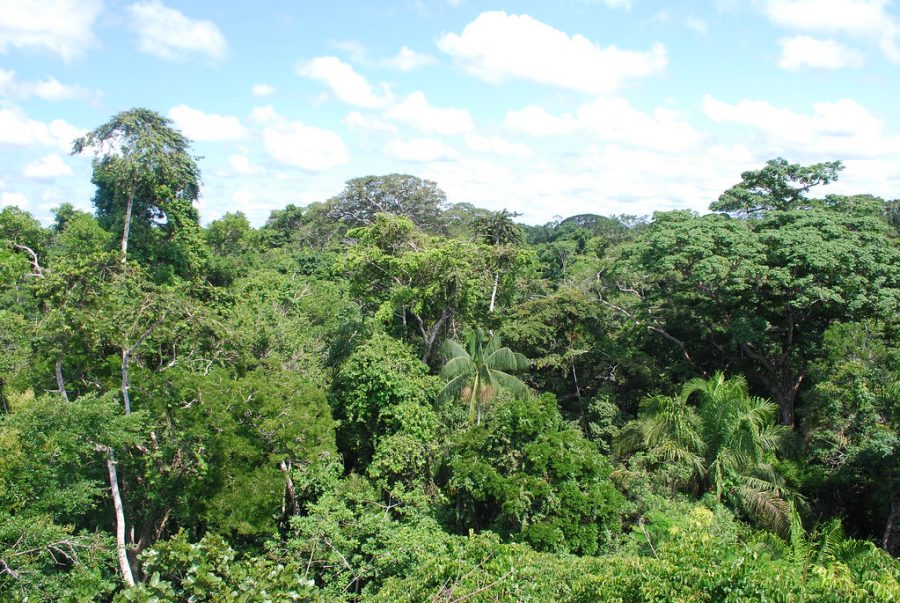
point(498, 146)
point(242, 166)
point(497, 46)
point(61, 27)
point(365, 123)
point(309, 148)
point(612, 119)
point(419, 150)
point(407, 60)
point(169, 34)
point(198, 125)
point(47, 167)
point(843, 129)
point(416, 111)
point(17, 129)
point(343, 81)
point(48, 89)
point(804, 51)
point(262, 90)
point(15, 199)
point(864, 19)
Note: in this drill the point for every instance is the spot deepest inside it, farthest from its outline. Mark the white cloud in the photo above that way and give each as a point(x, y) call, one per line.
point(538, 122)
point(864, 19)
point(498, 146)
point(697, 24)
point(309, 148)
point(198, 125)
point(804, 51)
point(62, 27)
point(49, 89)
point(497, 47)
point(843, 129)
point(419, 150)
point(365, 123)
point(262, 90)
point(19, 130)
point(415, 111)
point(169, 34)
point(345, 83)
point(264, 115)
point(408, 59)
point(17, 199)
point(242, 166)
point(626, 4)
point(612, 119)
point(47, 167)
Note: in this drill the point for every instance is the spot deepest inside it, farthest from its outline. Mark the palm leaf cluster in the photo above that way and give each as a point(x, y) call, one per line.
point(476, 374)
point(728, 440)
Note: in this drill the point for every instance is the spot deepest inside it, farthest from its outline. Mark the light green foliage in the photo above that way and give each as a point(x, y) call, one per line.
point(42, 561)
point(54, 454)
point(380, 390)
point(210, 570)
point(529, 476)
point(728, 441)
point(413, 283)
point(475, 375)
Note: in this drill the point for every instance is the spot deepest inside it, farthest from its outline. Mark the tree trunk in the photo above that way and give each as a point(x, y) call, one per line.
point(285, 467)
point(887, 540)
point(126, 382)
point(59, 380)
point(494, 292)
point(127, 226)
point(431, 334)
point(121, 552)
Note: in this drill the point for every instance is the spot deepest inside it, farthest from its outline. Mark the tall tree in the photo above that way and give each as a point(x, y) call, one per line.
point(400, 194)
point(141, 163)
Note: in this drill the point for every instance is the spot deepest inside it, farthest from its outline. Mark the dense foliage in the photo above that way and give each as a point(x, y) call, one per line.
point(689, 407)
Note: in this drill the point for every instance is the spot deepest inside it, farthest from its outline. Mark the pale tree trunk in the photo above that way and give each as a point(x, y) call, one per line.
point(127, 226)
point(285, 467)
point(59, 380)
point(121, 552)
point(494, 292)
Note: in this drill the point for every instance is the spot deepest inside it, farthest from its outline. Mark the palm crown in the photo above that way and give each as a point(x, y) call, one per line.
point(474, 375)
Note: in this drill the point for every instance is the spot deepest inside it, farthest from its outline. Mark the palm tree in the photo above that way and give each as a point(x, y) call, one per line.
point(475, 374)
point(728, 440)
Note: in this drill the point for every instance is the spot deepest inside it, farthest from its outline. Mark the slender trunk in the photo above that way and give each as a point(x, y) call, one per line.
point(494, 292)
point(887, 540)
point(127, 227)
point(575, 379)
point(431, 334)
point(121, 552)
point(59, 380)
point(285, 467)
point(126, 382)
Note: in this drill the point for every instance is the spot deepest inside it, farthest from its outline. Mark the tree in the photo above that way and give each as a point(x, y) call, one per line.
point(756, 294)
point(728, 441)
point(402, 195)
point(140, 164)
point(498, 230)
point(778, 186)
point(530, 476)
point(476, 374)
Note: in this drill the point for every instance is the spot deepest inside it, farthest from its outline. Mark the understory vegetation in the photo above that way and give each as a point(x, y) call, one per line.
point(387, 397)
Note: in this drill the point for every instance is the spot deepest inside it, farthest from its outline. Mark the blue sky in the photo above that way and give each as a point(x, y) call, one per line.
point(545, 108)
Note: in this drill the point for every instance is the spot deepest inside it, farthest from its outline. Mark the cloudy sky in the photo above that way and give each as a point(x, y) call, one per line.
point(546, 108)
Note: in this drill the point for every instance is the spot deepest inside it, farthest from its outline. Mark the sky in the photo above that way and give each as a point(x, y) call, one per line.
point(545, 108)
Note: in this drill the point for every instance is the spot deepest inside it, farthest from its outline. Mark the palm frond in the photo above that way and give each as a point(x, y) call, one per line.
point(509, 382)
point(460, 365)
point(452, 349)
point(452, 390)
point(766, 505)
point(505, 359)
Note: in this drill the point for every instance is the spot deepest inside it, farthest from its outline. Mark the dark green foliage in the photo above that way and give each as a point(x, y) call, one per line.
point(381, 389)
point(531, 477)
